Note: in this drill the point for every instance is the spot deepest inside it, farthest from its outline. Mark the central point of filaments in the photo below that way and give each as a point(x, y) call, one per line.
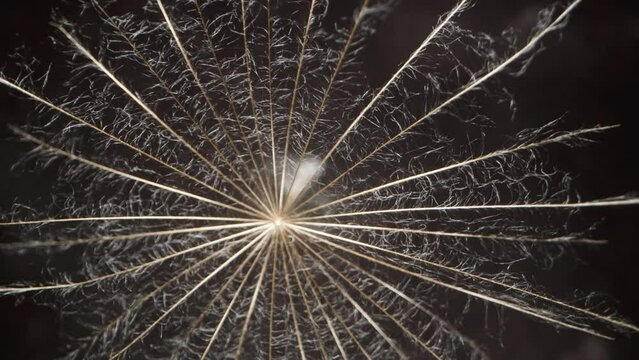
point(278, 222)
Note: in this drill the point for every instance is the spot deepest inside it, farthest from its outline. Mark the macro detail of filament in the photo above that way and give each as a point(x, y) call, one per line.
point(238, 191)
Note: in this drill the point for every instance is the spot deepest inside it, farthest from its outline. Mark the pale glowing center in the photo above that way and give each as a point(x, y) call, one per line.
point(278, 222)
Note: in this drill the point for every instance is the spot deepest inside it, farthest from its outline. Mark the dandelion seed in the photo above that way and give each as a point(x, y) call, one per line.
point(231, 188)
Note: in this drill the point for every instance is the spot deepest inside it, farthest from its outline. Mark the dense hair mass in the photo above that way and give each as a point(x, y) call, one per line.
point(232, 186)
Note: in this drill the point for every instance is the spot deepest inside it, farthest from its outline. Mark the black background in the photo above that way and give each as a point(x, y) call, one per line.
point(590, 75)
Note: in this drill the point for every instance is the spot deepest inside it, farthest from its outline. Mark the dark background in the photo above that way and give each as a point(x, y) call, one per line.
point(590, 74)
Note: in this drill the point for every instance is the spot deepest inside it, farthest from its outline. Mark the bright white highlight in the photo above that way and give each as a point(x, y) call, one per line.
point(308, 170)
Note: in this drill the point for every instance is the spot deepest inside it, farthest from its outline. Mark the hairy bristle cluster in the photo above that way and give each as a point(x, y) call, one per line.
point(230, 186)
